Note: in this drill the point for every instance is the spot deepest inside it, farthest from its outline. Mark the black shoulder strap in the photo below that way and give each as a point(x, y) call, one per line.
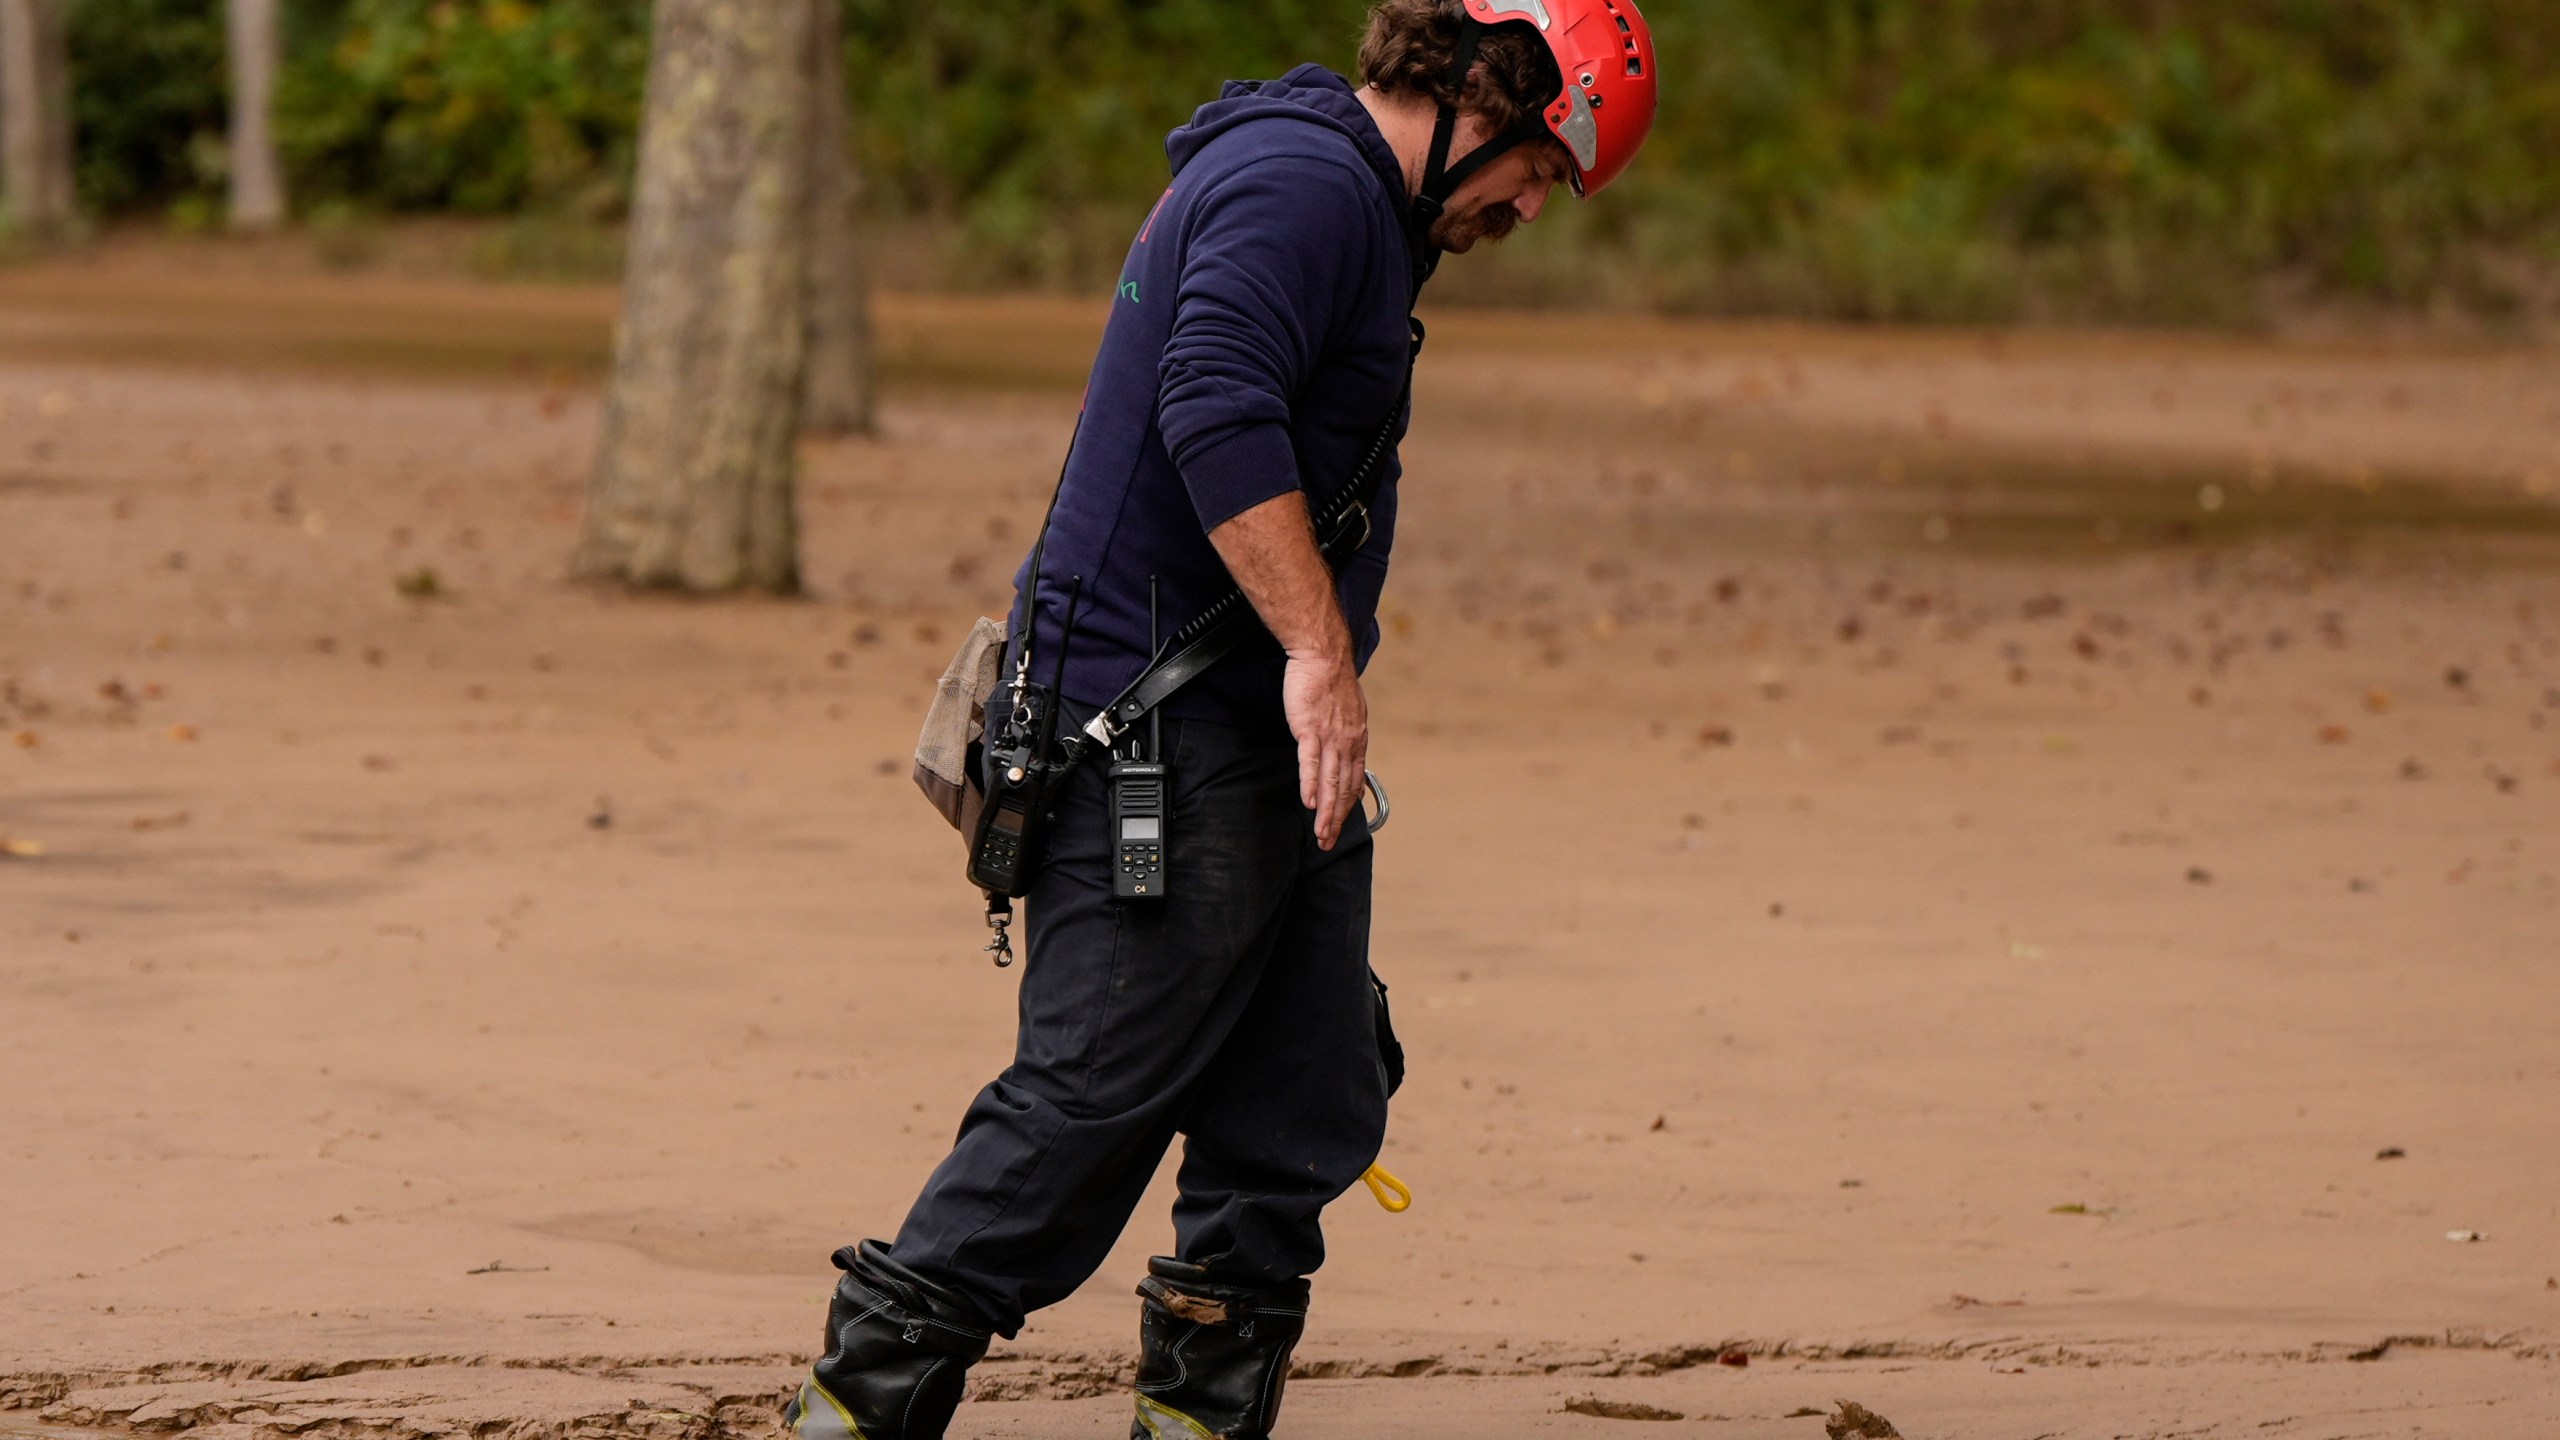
point(1341, 529)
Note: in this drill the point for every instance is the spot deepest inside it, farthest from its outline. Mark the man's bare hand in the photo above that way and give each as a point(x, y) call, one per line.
point(1330, 718)
point(1271, 550)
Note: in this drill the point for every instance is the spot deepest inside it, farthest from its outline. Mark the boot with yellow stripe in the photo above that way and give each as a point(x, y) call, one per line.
point(1213, 1355)
point(898, 1352)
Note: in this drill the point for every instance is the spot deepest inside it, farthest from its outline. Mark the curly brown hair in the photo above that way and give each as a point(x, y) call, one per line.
point(1410, 44)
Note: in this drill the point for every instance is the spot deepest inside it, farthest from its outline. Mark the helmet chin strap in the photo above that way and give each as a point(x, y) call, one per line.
point(1440, 179)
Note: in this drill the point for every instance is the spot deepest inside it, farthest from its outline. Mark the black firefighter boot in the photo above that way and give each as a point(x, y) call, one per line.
point(899, 1348)
point(1212, 1354)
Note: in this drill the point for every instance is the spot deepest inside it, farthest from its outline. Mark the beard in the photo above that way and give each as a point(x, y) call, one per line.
point(1458, 231)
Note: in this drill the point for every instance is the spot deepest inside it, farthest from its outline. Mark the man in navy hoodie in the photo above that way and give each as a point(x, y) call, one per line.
point(1258, 344)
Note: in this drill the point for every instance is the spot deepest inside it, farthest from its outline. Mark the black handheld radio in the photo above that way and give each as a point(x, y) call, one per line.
point(1141, 803)
point(1019, 775)
point(1026, 765)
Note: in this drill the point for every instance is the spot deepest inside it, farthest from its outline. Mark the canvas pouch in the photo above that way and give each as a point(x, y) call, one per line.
point(946, 768)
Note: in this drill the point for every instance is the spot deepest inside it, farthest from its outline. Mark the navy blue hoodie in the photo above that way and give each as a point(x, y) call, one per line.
point(1256, 344)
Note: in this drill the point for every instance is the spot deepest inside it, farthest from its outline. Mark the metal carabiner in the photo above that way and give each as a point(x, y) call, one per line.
point(1369, 778)
point(999, 947)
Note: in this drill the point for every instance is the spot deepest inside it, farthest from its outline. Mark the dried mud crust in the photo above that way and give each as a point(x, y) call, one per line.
point(734, 1398)
point(1071, 1395)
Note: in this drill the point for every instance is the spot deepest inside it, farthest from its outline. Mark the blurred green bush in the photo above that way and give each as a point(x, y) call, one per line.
point(2172, 160)
point(479, 106)
point(147, 103)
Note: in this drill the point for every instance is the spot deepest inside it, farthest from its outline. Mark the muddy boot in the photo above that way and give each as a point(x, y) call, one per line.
point(1212, 1354)
point(898, 1350)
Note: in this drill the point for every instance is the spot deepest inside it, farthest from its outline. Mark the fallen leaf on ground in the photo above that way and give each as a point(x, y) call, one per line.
point(21, 849)
point(2074, 1208)
point(183, 734)
point(2390, 1152)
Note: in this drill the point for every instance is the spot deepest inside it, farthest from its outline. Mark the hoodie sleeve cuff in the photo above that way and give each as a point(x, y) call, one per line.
point(1239, 471)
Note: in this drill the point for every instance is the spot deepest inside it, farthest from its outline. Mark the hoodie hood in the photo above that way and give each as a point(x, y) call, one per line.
point(1310, 94)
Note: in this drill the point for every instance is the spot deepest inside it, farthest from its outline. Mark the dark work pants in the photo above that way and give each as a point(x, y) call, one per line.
point(1237, 1013)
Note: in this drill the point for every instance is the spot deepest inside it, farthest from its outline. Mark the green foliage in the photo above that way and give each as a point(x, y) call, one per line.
point(1039, 131)
point(151, 121)
point(480, 106)
point(1985, 158)
point(1887, 159)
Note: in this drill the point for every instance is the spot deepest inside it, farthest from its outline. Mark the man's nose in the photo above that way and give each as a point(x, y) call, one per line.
point(1531, 201)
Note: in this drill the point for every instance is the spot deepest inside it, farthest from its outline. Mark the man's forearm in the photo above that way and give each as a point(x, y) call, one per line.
point(1271, 551)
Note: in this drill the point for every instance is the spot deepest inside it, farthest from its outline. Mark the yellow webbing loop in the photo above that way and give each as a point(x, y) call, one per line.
point(1394, 1196)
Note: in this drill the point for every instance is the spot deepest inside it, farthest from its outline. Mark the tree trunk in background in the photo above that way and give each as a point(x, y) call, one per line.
point(840, 374)
point(694, 473)
point(35, 119)
point(257, 178)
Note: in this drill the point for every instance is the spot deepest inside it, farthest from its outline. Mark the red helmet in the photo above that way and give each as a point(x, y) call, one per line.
point(1605, 52)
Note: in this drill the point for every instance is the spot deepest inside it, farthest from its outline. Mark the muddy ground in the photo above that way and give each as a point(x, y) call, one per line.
point(2010, 878)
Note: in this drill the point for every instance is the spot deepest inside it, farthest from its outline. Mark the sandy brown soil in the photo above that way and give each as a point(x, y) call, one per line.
point(1932, 865)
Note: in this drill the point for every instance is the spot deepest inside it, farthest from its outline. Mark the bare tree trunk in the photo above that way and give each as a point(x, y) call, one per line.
point(840, 373)
point(35, 118)
point(257, 178)
point(694, 473)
